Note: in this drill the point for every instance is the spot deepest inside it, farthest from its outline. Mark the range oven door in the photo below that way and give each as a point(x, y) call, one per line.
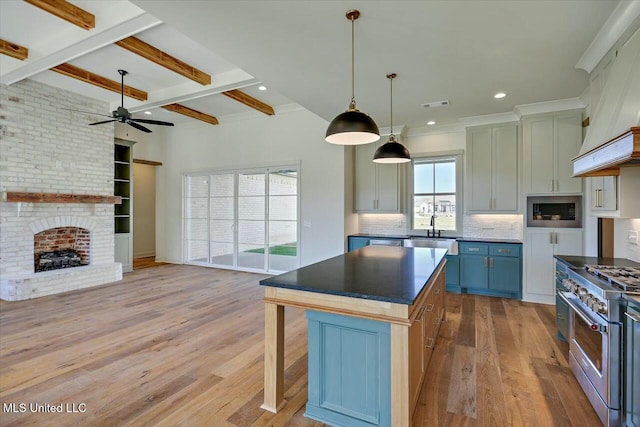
point(594, 343)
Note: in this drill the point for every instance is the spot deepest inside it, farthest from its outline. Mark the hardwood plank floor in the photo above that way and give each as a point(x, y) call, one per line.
point(183, 345)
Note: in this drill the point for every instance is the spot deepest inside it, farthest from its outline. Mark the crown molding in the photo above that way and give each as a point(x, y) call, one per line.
point(549, 106)
point(624, 18)
point(490, 119)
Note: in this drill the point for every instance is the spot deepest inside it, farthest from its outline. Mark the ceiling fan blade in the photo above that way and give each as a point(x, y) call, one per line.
point(152, 122)
point(139, 127)
point(105, 121)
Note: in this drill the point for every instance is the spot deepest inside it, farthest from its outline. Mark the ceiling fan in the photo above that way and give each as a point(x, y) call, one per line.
point(123, 115)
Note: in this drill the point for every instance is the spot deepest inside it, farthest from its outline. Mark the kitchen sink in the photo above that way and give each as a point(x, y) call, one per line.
point(450, 244)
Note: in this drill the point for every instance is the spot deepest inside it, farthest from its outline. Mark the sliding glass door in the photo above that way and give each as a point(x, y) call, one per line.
point(244, 219)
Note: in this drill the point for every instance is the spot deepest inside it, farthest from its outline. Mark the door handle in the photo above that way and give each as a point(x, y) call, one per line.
point(555, 238)
point(429, 307)
point(485, 262)
point(551, 237)
point(491, 262)
point(429, 343)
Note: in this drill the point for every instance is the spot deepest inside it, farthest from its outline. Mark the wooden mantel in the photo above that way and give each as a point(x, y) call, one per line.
point(15, 196)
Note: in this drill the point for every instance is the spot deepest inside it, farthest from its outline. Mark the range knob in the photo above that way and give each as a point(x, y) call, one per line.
point(601, 307)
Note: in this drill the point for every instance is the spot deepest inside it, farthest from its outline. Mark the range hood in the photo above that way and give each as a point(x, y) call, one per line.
point(613, 137)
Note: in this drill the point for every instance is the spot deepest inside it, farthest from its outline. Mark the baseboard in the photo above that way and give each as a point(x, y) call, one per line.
point(144, 255)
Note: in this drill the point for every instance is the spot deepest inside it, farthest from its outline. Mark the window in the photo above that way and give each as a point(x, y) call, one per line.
point(244, 219)
point(435, 194)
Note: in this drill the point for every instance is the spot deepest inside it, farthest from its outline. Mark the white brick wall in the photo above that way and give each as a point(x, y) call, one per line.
point(45, 148)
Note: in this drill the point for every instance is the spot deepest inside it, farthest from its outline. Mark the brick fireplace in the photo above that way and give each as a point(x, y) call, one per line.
point(47, 149)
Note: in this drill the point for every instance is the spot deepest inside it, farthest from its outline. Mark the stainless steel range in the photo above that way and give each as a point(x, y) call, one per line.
point(594, 296)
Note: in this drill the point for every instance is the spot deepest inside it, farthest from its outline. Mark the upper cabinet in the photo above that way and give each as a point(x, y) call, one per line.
point(492, 168)
point(550, 142)
point(377, 186)
point(616, 196)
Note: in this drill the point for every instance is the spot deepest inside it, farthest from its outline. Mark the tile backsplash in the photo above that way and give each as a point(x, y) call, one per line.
point(493, 226)
point(383, 224)
point(489, 226)
point(633, 249)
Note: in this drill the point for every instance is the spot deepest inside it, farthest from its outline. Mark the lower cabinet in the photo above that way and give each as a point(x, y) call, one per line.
point(350, 361)
point(349, 370)
point(354, 243)
point(541, 245)
point(493, 269)
point(632, 365)
point(453, 273)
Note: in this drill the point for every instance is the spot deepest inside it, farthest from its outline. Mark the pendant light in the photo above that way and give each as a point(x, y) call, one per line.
point(352, 127)
point(392, 151)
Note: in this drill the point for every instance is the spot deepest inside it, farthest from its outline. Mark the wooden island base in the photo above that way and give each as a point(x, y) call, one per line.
point(412, 330)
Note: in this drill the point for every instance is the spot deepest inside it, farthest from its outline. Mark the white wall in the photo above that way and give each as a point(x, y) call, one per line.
point(144, 210)
point(290, 136)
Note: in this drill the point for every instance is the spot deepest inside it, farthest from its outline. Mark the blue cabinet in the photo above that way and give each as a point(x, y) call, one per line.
point(452, 273)
point(357, 243)
point(493, 269)
point(632, 365)
point(562, 308)
point(349, 370)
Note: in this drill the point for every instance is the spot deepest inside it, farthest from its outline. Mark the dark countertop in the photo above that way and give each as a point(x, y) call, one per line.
point(488, 240)
point(381, 236)
point(580, 261)
point(383, 273)
point(459, 239)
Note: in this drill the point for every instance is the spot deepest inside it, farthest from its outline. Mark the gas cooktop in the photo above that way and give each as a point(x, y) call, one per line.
point(624, 278)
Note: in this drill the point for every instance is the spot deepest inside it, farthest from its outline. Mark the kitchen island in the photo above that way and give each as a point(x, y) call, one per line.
point(374, 315)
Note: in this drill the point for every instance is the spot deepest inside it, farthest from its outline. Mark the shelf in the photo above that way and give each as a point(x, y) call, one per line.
point(121, 180)
point(120, 162)
point(14, 196)
point(122, 216)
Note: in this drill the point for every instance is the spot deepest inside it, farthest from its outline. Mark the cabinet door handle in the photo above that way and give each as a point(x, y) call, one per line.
point(504, 251)
point(633, 317)
point(437, 291)
point(429, 307)
point(491, 262)
point(485, 262)
point(555, 238)
point(474, 249)
point(551, 237)
point(429, 343)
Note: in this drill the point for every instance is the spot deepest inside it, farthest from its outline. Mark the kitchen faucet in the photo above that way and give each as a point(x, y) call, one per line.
point(432, 223)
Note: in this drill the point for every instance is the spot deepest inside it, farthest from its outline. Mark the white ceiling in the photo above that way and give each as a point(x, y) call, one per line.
point(461, 51)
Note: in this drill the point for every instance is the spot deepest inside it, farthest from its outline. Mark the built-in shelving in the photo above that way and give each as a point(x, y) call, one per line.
point(122, 187)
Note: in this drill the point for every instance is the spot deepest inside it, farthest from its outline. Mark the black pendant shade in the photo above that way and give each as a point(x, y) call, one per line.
point(352, 127)
point(392, 152)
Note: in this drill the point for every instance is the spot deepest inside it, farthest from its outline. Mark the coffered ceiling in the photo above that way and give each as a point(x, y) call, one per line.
point(461, 51)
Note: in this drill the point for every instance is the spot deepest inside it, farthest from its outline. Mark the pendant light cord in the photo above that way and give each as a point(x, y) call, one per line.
point(391, 97)
point(352, 104)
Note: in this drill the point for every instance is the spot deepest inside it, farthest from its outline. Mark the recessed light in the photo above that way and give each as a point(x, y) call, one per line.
point(431, 123)
point(148, 113)
point(499, 95)
point(262, 88)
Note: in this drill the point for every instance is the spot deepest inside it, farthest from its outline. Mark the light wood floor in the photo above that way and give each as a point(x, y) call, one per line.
point(183, 345)
point(146, 262)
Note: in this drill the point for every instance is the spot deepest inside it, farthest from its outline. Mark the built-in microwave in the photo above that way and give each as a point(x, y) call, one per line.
point(554, 211)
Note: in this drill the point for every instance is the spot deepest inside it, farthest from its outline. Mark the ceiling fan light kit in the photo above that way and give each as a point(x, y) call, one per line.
point(122, 115)
point(392, 151)
point(353, 127)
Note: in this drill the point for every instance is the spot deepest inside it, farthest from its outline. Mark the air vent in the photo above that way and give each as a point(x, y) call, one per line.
point(436, 104)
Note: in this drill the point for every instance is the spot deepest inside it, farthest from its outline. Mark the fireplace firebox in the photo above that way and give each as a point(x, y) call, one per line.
point(62, 247)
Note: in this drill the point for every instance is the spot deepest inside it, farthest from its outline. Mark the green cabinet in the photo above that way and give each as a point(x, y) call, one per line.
point(632, 365)
point(493, 269)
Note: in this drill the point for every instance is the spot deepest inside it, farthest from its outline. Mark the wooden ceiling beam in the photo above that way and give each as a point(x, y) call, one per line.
point(249, 101)
point(96, 80)
point(153, 54)
point(186, 111)
point(67, 11)
point(13, 50)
